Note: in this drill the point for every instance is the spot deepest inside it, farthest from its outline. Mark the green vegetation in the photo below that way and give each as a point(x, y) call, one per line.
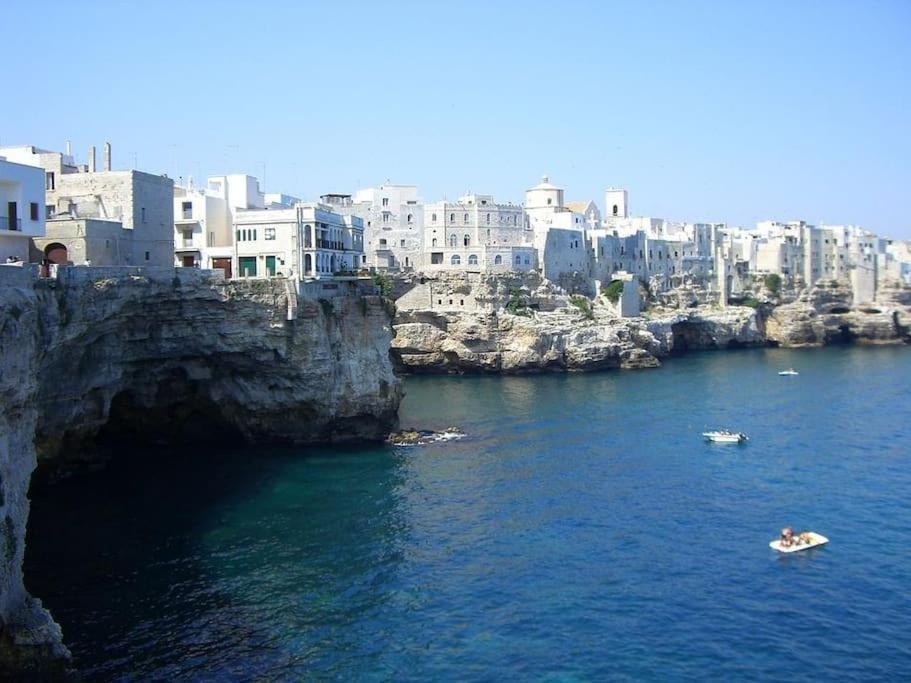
point(773, 283)
point(584, 306)
point(751, 301)
point(517, 304)
point(614, 290)
point(383, 283)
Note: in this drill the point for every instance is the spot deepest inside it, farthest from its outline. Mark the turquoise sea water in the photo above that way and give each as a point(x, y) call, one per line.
point(582, 531)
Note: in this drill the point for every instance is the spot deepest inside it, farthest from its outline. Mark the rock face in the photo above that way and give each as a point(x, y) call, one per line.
point(826, 314)
point(495, 341)
point(176, 355)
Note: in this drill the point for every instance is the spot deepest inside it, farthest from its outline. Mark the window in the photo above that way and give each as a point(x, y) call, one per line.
point(142, 212)
point(549, 201)
point(187, 209)
point(519, 260)
point(465, 218)
point(147, 256)
point(385, 201)
point(527, 261)
point(473, 260)
point(452, 217)
point(382, 243)
point(466, 240)
point(433, 242)
point(455, 260)
point(247, 266)
point(498, 260)
point(33, 211)
point(452, 240)
point(433, 218)
point(49, 180)
point(615, 210)
point(488, 219)
point(436, 257)
point(401, 243)
point(269, 233)
point(410, 219)
point(50, 211)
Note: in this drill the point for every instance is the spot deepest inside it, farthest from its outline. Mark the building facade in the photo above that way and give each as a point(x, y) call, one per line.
point(22, 216)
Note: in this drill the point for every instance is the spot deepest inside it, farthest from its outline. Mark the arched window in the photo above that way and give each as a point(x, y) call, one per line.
point(488, 219)
point(434, 241)
point(410, 218)
point(466, 239)
point(527, 261)
point(452, 240)
point(455, 260)
point(549, 201)
point(433, 218)
point(498, 260)
point(518, 260)
point(473, 260)
point(465, 218)
point(452, 218)
point(615, 209)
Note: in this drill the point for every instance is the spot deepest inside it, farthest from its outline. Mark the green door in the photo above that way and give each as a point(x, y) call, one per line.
point(247, 266)
point(270, 265)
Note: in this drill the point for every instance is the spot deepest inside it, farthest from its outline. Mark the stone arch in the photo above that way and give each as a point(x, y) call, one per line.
point(56, 253)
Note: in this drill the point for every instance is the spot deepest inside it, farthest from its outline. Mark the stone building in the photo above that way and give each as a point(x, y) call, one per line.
point(559, 233)
point(84, 206)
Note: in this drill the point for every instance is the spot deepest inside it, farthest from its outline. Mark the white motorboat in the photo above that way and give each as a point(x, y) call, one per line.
point(724, 436)
point(802, 541)
point(789, 372)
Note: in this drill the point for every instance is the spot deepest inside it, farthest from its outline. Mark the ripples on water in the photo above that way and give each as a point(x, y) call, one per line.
point(583, 530)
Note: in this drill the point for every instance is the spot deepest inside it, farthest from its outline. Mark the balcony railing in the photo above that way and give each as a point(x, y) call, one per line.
point(187, 214)
point(7, 224)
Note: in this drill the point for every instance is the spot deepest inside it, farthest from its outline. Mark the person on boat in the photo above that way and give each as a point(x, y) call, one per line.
point(787, 537)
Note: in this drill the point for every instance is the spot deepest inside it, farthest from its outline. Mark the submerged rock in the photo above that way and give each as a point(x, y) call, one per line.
point(420, 437)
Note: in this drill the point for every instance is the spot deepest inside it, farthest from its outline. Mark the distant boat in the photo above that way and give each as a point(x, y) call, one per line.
point(804, 541)
point(789, 372)
point(724, 436)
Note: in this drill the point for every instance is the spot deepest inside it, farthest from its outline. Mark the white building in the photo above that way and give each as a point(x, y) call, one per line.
point(204, 220)
point(21, 209)
point(307, 241)
point(393, 218)
point(559, 233)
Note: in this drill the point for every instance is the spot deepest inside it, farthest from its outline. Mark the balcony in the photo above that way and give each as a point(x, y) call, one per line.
point(7, 224)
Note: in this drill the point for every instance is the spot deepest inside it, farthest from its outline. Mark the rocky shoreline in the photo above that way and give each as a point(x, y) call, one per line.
point(567, 338)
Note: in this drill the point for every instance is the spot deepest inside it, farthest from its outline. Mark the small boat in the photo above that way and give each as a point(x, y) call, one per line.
point(789, 372)
point(724, 436)
point(803, 541)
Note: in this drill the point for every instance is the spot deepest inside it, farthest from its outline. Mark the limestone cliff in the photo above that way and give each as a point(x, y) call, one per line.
point(463, 323)
point(826, 314)
point(169, 355)
point(567, 339)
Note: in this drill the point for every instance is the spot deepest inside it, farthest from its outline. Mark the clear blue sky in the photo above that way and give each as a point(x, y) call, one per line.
point(731, 111)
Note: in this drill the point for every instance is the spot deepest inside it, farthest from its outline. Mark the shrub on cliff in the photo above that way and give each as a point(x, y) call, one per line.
point(517, 304)
point(584, 306)
point(614, 290)
point(384, 283)
point(773, 283)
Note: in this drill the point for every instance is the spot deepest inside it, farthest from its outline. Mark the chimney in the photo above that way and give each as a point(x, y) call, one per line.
point(69, 150)
point(106, 157)
point(92, 159)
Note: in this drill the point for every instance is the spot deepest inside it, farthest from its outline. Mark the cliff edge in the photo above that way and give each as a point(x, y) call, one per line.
point(172, 354)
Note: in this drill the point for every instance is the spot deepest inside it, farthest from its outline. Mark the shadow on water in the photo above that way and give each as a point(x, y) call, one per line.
point(146, 564)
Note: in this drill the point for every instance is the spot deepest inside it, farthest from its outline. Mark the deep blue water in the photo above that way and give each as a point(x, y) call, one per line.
point(582, 531)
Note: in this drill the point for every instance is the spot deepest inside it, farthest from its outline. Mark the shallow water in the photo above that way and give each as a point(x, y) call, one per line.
point(583, 530)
